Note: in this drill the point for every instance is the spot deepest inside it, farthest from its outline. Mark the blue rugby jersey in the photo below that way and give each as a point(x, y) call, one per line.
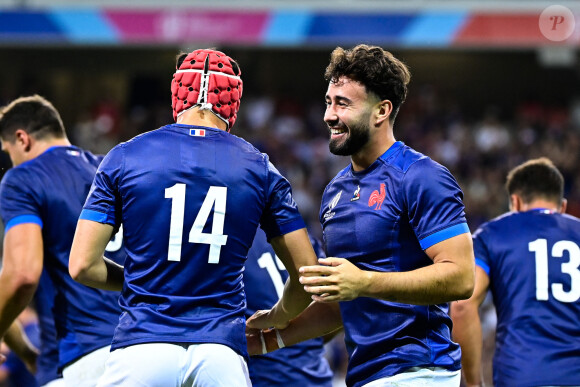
point(532, 259)
point(302, 364)
point(190, 199)
point(382, 219)
point(47, 362)
point(50, 190)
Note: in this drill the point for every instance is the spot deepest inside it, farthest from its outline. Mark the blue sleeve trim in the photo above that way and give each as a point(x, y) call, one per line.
point(95, 216)
point(483, 265)
point(21, 219)
point(287, 228)
point(442, 235)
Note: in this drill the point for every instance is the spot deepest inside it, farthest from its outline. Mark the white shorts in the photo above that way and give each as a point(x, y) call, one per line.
point(173, 365)
point(86, 371)
point(55, 383)
point(420, 377)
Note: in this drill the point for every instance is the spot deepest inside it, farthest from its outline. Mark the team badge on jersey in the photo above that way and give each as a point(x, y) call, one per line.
point(197, 132)
point(356, 195)
point(331, 206)
point(377, 197)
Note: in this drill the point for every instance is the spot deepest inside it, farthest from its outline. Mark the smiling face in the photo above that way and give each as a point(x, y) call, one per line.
point(348, 114)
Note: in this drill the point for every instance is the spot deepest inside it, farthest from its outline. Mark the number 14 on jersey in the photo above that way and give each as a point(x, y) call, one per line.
point(216, 199)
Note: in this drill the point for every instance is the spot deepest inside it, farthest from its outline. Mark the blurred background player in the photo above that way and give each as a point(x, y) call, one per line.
point(529, 258)
point(190, 196)
point(397, 219)
point(302, 364)
point(40, 201)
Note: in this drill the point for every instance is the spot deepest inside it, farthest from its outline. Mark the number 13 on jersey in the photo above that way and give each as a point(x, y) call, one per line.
point(216, 199)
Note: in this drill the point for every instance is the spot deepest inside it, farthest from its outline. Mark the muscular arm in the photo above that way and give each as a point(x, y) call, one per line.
point(451, 277)
point(467, 330)
point(21, 269)
point(294, 250)
point(87, 264)
point(317, 320)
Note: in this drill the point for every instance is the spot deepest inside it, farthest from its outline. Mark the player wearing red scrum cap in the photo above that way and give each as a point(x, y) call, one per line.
point(190, 197)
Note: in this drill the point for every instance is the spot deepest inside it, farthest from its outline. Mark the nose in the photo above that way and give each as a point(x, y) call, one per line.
point(330, 116)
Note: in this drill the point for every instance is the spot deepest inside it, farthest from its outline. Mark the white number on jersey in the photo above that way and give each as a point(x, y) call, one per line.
point(267, 262)
point(216, 199)
point(571, 267)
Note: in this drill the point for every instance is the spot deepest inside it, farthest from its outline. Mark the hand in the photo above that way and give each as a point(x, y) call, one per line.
point(335, 279)
point(263, 319)
point(2, 359)
point(253, 341)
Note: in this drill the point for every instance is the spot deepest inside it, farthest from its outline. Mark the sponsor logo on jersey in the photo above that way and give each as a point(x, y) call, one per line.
point(331, 205)
point(73, 152)
point(197, 132)
point(356, 195)
point(377, 197)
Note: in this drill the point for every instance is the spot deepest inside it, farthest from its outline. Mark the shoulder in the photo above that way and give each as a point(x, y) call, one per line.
point(17, 175)
point(496, 225)
point(406, 158)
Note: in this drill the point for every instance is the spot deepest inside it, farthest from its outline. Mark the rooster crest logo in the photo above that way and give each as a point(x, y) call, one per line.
point(377, 198)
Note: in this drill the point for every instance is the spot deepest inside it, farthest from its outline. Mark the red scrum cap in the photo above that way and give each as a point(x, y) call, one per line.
point(210, 80)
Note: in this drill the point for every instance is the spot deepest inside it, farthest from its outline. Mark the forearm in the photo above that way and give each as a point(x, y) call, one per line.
point(102, 274)
point(319, 319)
point(19, 343)
point(293, 301)
point(434, 284)
point(467, 333)
point(14, 297)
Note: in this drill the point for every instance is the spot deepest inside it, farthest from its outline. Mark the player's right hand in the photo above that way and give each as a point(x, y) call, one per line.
point(260, 320)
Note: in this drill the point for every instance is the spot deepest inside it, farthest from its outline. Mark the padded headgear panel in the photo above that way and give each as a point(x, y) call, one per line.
point(211, 80)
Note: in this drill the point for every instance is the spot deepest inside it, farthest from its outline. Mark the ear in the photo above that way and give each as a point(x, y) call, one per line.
point(384, 110)
point(516, 203)
point(563, 206)
point(23, 139)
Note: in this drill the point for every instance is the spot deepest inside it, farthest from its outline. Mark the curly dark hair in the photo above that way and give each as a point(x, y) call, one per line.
point(36, 115)
point(378, 70)
point(536, 179)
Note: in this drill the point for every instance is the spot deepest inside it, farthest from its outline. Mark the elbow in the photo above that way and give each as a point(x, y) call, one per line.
point(25, 283)
point(77, 270)
point(466, 286)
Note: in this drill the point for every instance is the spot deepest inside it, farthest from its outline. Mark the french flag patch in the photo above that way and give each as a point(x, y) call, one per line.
point(197, 132)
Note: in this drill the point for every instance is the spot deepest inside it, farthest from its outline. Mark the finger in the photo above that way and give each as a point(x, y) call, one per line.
point(315, 270)
point(331, 261)
point(320, 289)
point(320, 281)
point(325, 298)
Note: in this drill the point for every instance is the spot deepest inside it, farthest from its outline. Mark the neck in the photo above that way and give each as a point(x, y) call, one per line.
point(41, 146)
point(377, 145)
point(540, 204)
point(197, 117)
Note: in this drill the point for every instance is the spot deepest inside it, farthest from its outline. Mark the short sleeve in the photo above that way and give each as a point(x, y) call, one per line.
point(434, 202)
point(482, 256)
point(19, 202)
point(103, 203)
point(281, 215)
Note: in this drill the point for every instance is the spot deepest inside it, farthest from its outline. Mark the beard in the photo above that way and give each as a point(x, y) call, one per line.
point(358, 135)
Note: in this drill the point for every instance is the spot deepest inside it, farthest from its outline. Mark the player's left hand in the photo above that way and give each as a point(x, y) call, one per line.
point(335, 279)
point(253, 341)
